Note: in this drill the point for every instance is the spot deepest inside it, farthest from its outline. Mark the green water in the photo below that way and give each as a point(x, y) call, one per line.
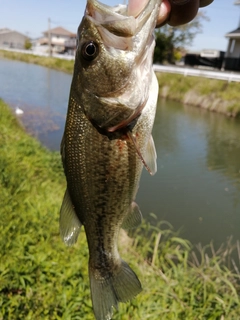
point(197, 186)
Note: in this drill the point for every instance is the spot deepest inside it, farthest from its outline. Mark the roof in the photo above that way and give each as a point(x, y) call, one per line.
point(233, 34)
point(59, 31)
point(6, 31)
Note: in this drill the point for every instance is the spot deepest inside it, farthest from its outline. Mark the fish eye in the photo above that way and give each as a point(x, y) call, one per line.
point(90, 50)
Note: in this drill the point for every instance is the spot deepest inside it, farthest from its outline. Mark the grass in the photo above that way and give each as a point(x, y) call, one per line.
point(216, 95)
point(180, 85)
point(40, 278)
point(49, 62)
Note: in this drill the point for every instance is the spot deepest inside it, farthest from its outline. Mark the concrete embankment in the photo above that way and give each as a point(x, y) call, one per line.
point(211, 94)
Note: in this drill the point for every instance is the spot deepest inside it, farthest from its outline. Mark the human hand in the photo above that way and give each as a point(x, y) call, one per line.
point(173, 12)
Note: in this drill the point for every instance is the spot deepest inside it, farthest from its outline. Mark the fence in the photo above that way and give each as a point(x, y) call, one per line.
point(197, 72)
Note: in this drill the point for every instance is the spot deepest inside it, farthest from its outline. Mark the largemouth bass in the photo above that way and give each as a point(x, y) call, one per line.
point(107, 141)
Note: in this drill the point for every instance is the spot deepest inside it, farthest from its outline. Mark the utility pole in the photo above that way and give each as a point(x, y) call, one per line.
point(237, 2)
point(49, 37)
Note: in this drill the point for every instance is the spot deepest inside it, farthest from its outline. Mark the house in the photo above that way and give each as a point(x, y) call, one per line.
point(58, 39)
point(12, 39)
point(232, 56)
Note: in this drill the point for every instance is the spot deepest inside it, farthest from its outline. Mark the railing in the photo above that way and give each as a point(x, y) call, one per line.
point(185, 71)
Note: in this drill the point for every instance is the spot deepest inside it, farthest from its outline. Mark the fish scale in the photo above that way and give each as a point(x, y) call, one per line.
point(107, 141)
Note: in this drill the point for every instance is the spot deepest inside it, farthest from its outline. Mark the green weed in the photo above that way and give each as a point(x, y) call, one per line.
point(211, 94)
point(49, 62)
point(40, 278)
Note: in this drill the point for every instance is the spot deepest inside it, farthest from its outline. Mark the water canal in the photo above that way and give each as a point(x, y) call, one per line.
point(197, 186)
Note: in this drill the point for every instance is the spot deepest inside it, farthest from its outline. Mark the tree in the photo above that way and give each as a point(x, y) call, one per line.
point(27, 44)
point(169, 39)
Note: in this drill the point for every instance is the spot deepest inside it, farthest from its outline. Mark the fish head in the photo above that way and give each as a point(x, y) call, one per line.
point(113, 65)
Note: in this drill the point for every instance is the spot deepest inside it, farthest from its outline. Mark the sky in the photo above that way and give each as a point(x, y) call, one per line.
point(31, 17)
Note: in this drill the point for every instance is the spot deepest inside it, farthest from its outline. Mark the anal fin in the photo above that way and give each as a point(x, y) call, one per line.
point(69, 222)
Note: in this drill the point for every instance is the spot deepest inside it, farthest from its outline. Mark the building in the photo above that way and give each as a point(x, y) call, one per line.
point(12, 39)
point(208, 58)
point(58, 39)
point(232, 56)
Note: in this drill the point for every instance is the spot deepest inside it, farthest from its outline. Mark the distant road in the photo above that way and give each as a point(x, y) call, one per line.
point(186, 71)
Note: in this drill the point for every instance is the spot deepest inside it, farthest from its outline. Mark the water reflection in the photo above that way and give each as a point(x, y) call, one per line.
point(224, 154)
point(41, 93)
point(197, 186)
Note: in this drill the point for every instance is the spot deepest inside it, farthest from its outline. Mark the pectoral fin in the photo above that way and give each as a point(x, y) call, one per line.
point(69, 222)
point(133, 219)
point(150, 158)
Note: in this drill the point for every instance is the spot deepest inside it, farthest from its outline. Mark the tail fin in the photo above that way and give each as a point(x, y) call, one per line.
point(119, 287)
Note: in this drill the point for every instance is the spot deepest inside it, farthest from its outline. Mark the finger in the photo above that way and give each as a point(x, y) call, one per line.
point(182, 11)
point(164, 12)
point(136, 6)
point(174, 12)
point(204, 3)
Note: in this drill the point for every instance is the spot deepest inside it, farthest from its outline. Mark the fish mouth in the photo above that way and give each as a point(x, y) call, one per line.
point(117, 20)
point(114, 19)
point(132, 36)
